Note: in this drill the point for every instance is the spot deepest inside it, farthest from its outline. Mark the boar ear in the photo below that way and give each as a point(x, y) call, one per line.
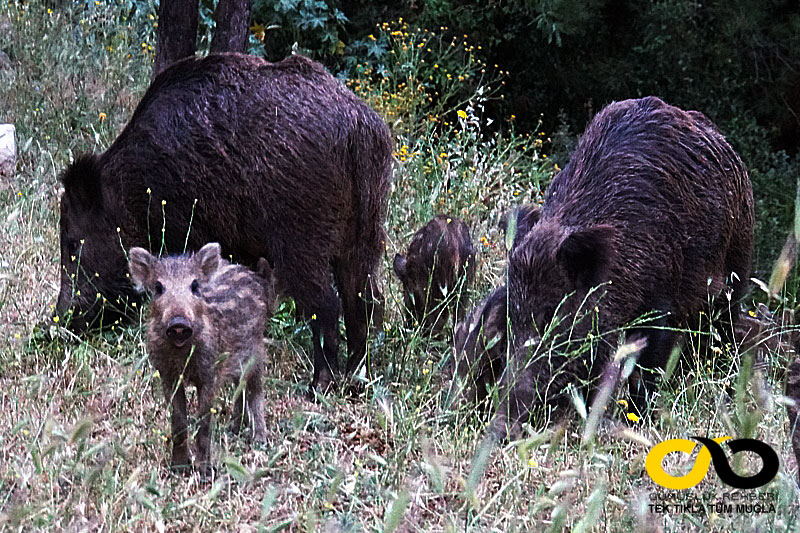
point(399, 266)
point(586, 254)
point(267, 274)
point(517, 222)
point(264, 269)
point(527, 216)
point(82, 183)
point(140, 265)
point(209, 257)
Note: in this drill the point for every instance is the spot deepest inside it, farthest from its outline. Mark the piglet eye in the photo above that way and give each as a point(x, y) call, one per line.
point(159, 288)
point(195, 288)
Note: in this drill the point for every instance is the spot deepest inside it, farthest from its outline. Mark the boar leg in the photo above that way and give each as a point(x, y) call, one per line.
point(307, 278)
point(324, 333)
point(205, 397)
point(175, 394)
point(362, 305)
point(642, 383)
point(255, 407)
point(317, 302)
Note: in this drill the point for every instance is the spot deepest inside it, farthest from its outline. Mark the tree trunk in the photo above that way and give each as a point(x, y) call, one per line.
point(233, 24)
point(177, 32)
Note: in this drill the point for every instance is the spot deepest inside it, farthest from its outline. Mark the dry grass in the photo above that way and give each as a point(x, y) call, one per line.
point(84, 441)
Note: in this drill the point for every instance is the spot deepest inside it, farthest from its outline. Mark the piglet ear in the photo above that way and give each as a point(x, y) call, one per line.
point(399, 266)
point(267, 276)
point(208, 258)
point(264, 269)
point(140, 265)
point(82, 183)
point(587, 254)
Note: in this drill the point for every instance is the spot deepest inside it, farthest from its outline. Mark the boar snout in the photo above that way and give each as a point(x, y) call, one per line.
point(179, 331)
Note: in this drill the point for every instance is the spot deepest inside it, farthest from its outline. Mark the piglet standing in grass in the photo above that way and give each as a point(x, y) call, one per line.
point(437, 271)
point(205, 327)
point(480, 346)
point(481, 340)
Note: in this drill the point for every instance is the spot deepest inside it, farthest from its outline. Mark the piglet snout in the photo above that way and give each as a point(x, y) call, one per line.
point(179, 330)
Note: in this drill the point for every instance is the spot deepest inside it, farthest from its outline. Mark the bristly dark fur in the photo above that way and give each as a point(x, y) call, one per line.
point(82, 180)
point(440, 259)
point(273, 160)
point(659, 203)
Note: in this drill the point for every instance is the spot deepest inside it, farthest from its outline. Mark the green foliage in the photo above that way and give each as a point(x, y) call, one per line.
point(415, 76)
point(310, 27)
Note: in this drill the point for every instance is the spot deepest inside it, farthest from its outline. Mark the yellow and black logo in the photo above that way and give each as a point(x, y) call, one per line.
point(711, 451)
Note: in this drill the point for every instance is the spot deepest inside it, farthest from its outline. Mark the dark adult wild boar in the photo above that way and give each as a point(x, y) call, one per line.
point(205, 327)
point(653, 204)
point(440, 263)
point(273, 160)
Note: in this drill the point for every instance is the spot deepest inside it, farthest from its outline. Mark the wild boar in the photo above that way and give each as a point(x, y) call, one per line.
point(654, 212)
point(439, 264)
point(205, 326)
point(272, 160)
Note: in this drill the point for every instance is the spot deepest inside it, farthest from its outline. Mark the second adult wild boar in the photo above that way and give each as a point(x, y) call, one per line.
point(439, 264)
point(654, 203)
point(273, 160)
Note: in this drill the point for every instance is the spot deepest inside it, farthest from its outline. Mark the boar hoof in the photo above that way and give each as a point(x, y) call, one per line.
point(260, 437)
point(324, 383)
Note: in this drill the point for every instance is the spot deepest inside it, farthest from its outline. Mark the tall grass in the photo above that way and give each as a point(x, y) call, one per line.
point(85, 439)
